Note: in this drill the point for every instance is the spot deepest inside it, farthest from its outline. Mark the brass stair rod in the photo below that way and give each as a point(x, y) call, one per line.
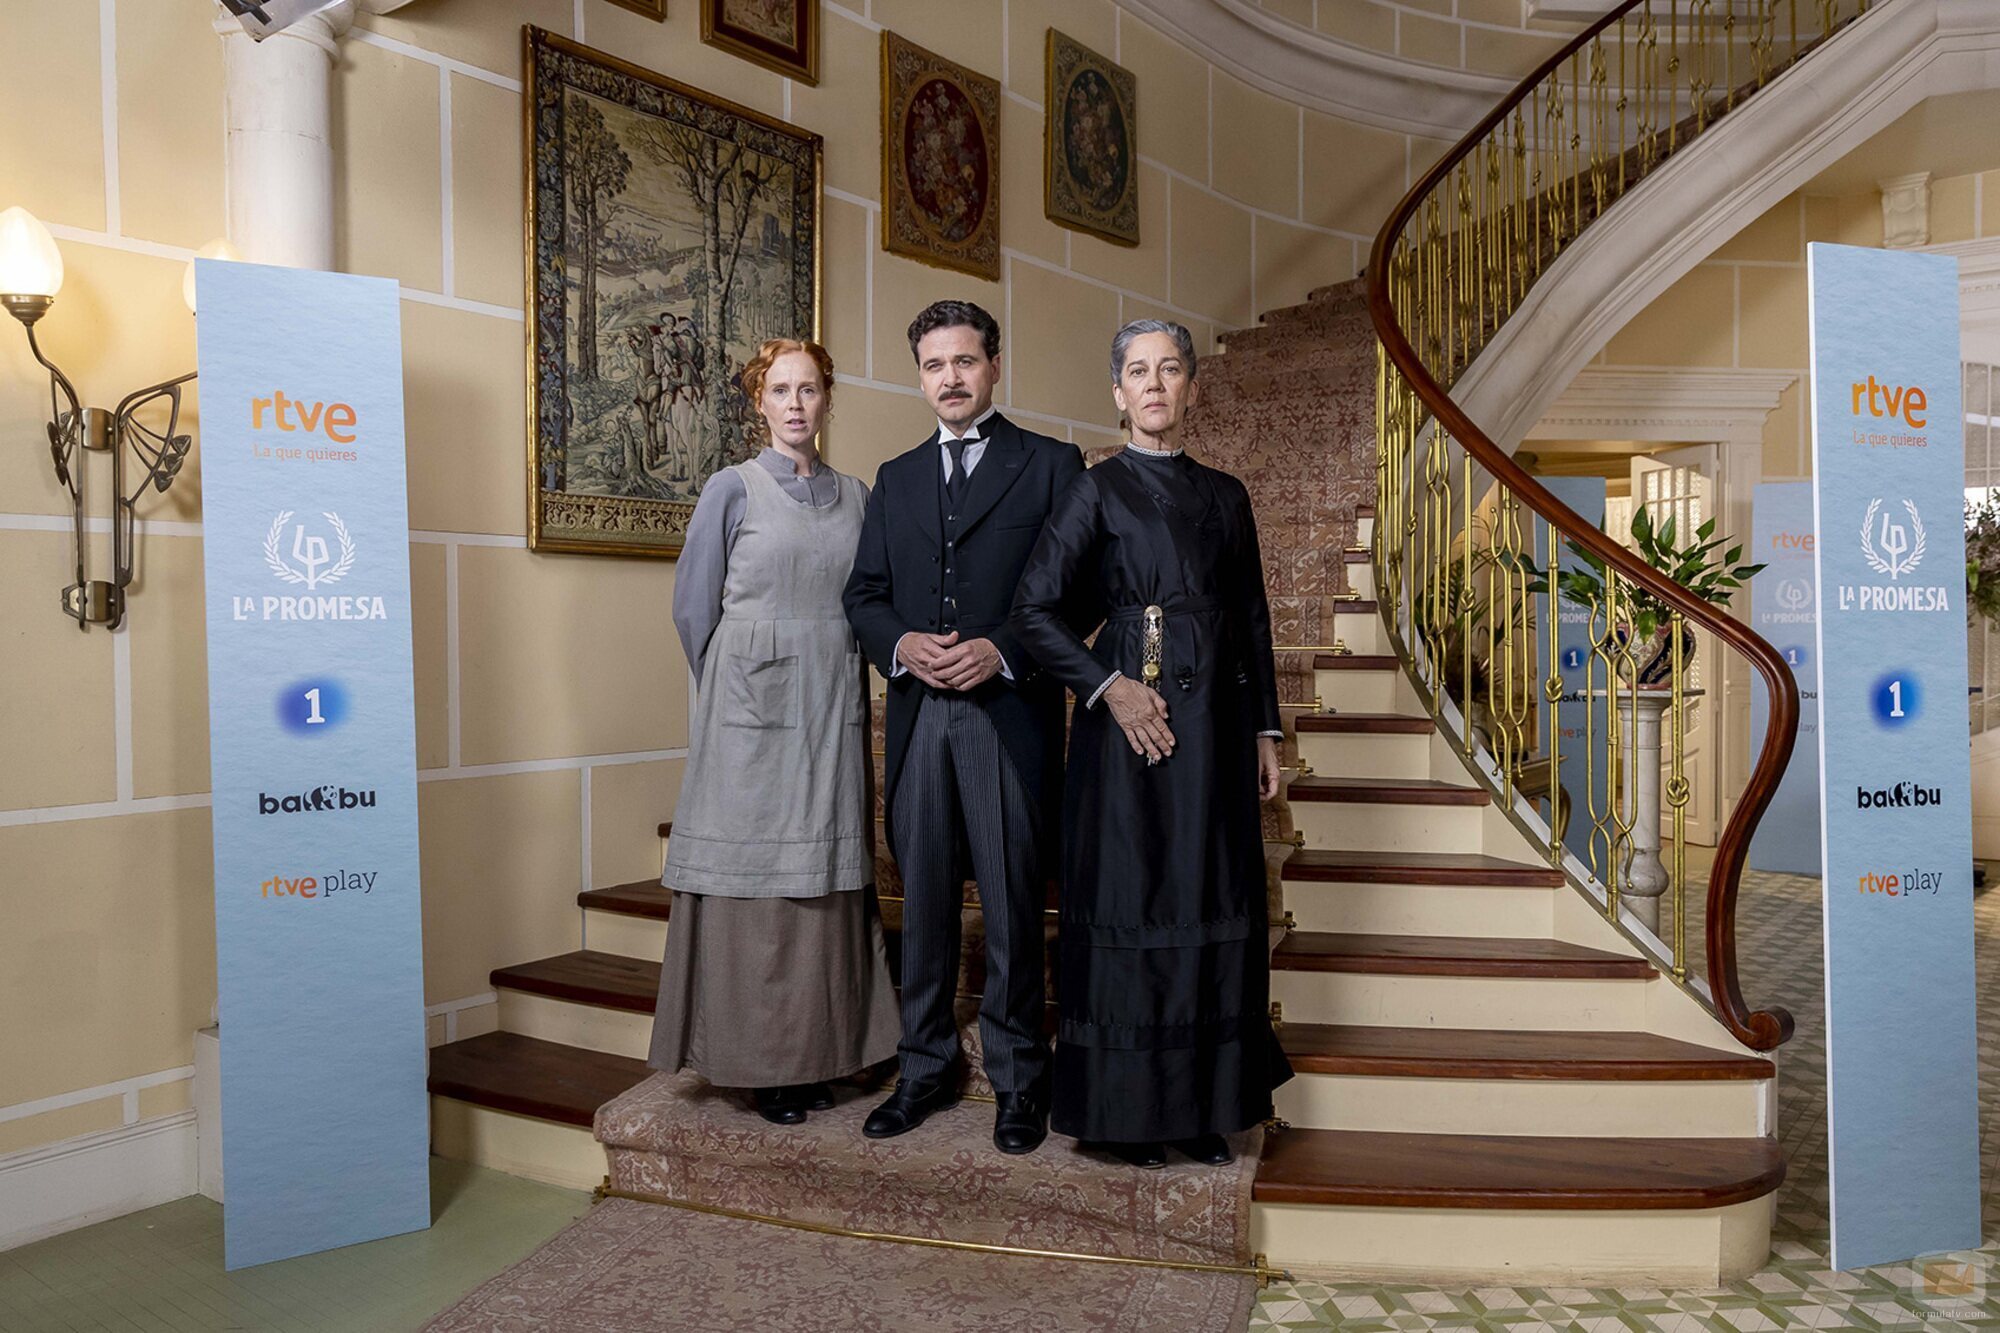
point(1258, 1267)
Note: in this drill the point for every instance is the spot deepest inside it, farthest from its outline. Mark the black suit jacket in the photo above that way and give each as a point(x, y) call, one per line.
point(894, 590)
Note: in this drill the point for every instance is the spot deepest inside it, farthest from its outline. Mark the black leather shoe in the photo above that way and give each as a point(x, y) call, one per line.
point(814, 1096)
point(1020, 1124)
point(1149, 1156)
point(780, 1106)
point(1208, 1149)
point(912, 1104)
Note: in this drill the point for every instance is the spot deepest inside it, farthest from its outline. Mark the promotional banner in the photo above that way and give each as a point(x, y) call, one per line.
point(1585, 728)
point(1784, 608)
point(1895, 765)
point(312, 743)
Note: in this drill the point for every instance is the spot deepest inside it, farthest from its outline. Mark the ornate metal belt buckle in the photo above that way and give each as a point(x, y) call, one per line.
point(1150, 653)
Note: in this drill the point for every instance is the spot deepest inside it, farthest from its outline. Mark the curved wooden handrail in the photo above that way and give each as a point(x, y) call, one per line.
point(1760, 1029)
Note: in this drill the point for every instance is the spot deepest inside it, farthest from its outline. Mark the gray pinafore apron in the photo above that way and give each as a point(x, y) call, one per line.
point(771, 806)
point(775, 971)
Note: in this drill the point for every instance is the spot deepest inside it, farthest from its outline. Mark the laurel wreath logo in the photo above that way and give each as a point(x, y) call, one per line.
point(1901, 551)
point(274, 556)
point(1795, 594)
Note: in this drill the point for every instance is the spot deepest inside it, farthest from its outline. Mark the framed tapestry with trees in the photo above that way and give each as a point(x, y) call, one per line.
point(669, 233)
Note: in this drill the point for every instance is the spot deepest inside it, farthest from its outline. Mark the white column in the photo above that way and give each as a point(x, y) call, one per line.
point(1646, 877)
point(277, 113)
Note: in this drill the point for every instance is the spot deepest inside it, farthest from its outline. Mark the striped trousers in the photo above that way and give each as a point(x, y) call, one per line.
point(959, 789)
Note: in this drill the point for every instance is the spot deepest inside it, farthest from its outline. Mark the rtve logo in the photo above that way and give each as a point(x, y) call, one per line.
point(1890, 400)
point(1901, 884)
point(1792, 541)
point(334, 420)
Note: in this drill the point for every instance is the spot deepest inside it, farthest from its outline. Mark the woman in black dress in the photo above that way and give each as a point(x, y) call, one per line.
point(1164, 980)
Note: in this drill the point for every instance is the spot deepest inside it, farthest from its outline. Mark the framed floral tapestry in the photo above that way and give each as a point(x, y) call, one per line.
point(669, 233)
point(1091, 141)
point(781, 35)
point(940, 160)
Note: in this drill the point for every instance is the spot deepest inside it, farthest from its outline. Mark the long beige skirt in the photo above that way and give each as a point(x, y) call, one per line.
point(763, 992)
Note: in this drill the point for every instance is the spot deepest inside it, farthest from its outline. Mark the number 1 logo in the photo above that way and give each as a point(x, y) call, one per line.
point(1895, 699)
point(312, 707)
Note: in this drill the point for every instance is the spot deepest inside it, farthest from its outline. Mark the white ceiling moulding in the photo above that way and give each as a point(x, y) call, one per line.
point(1314, 70)
point(1695, 404)
point(1804, 122)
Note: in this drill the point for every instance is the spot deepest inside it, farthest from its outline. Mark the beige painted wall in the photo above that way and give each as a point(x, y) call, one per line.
point(1745, 305)
point(551, 695)
point(1487, 36)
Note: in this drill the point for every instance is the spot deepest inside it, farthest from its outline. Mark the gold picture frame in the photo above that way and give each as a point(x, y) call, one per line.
point(634, 345)
point(940, 160)
point(655, 10)
point(738, 27)
point(1090, 142)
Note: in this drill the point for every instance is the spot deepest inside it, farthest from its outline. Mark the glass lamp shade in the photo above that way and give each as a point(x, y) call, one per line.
point(30, 264)
point(216, 249)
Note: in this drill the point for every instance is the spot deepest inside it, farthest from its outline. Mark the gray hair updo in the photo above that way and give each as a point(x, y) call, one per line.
point(1121, 343)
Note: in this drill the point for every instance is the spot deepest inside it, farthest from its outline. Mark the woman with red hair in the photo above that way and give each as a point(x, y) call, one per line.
point(775, 977)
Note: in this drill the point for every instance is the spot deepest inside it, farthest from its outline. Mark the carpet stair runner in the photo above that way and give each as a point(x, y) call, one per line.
point(674, 1136)
point(640, 1268)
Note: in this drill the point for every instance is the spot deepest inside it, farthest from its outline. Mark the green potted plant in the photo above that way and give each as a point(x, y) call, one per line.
point(1641, 618)
point(1982, 558)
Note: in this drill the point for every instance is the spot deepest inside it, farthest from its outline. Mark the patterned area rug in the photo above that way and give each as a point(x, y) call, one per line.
point(1779, 949)
point(630, 1267)
point(676, 1136)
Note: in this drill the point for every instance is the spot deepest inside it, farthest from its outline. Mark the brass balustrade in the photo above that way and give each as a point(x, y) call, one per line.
point(1459, 524)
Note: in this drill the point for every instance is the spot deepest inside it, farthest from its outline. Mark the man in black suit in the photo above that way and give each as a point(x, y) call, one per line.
point(975, 730)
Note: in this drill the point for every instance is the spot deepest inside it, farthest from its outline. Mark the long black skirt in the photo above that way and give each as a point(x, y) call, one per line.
point(1143, 1055)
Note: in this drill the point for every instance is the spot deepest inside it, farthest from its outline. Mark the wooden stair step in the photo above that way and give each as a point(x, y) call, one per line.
point(587, 976)
point(1399, 1052)
point(1400, 724)
point(544, 1079)
point(646, 897)
point(1449, 956)
point(1326, 865)
point(1382, 1169)
point(1355, 662)
point(1384, 791)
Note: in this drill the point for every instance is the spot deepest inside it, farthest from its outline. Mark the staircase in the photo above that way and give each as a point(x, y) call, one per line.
point(1492, 1083)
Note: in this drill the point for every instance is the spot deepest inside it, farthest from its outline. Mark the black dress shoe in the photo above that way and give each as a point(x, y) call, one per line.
point(1149, 1156)
point(814, 1096)
point(912, 1104)
point(1208, 1149)
point(1021, 1123)
point(780, 1106)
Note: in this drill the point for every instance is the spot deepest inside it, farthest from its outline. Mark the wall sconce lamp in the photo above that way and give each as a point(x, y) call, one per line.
point(31, 273)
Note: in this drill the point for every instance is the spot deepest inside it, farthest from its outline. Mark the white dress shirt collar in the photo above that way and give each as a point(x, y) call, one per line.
point(972, 432)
